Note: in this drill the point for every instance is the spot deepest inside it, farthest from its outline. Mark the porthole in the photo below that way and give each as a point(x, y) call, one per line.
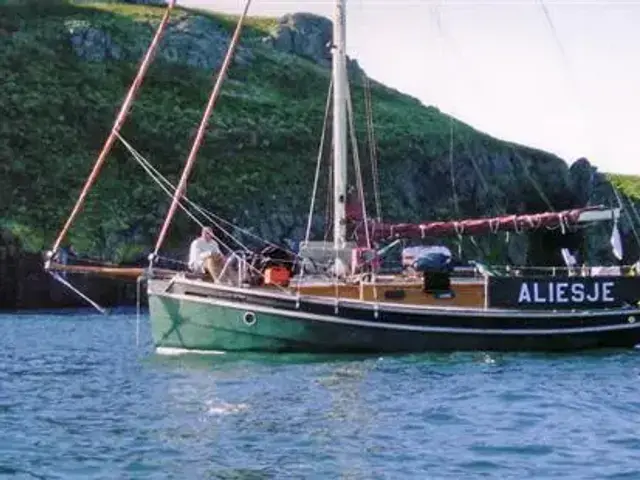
point(632, 319)
point(249, 318)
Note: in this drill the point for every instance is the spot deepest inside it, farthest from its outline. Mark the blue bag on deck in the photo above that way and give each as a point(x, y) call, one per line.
point(435, 260)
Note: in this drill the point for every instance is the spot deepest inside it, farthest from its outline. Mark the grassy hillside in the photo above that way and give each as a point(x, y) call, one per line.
point(628, 185)
point(259, 153)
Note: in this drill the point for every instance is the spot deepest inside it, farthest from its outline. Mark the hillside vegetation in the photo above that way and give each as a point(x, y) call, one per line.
point(257, 163)
point(628, 185)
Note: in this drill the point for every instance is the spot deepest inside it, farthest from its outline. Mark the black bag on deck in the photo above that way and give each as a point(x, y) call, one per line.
point(436, 271)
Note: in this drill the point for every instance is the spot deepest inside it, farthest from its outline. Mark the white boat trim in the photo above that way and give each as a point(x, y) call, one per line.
point(174, 351)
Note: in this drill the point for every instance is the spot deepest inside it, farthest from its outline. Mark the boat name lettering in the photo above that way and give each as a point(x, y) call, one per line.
point(565, 292)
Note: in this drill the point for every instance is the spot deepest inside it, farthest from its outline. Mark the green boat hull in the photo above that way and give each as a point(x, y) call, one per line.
point(193, 325)
point(199, 317)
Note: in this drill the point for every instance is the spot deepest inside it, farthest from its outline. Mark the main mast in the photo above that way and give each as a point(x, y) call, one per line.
point(339, 125)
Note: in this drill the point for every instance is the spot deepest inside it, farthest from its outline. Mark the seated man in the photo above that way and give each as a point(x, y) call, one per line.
point(205, 255)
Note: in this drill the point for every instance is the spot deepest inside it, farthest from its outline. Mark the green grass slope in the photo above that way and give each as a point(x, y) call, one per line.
point(628, 185)
point(259, 153)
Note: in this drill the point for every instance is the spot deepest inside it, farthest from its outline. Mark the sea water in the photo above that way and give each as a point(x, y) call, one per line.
point(83, 396)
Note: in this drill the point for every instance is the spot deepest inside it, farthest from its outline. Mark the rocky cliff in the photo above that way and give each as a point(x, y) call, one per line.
point(591, 187)
point(66, 67)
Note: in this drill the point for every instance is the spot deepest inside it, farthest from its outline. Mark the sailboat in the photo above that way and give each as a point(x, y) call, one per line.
point(270, 306)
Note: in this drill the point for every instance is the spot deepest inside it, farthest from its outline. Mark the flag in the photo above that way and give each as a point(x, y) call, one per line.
point(616, 241)
point(569, 260)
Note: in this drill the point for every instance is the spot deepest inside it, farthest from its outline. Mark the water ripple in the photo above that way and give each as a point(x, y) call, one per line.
point(78, 399)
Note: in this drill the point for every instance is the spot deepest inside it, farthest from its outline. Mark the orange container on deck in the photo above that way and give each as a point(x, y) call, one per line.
point(276, 276)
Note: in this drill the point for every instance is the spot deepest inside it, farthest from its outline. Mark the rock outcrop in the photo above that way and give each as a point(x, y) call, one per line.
point(92, 44)
point(309, 36)
point(591, 187)
point(304, 34)
point(200, 42)
point(193, 40)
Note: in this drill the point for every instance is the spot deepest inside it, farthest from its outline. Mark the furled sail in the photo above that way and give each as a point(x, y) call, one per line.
point(565, 220)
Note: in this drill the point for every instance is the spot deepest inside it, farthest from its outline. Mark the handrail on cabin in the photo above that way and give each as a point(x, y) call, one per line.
point(578, 271)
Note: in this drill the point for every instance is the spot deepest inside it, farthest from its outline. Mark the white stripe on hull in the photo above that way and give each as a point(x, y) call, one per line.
point(172, 351)
point(404, 327)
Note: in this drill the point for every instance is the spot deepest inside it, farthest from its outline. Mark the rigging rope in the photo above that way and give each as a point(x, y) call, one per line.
point(211, 217)
point(634, 210)
point(120, 118)
point(359, 179)
point(170, 189)
point(533, 181)
point(67, 284)
point(554, 32)
point(316, 179)
point(444, 38)
point(456, 207)
point(575, 89)
point(328, 218)
point(356, 161)
point(202, 129)
point(156, 176)
point(371, 140)
point(631, 219)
